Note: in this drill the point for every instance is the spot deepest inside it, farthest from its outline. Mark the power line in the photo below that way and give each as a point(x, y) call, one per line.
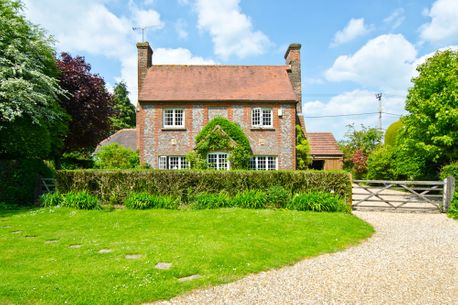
point(345, 115)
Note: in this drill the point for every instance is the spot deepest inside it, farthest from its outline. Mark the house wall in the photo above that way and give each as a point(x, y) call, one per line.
point(155, 141)
point(331, 163)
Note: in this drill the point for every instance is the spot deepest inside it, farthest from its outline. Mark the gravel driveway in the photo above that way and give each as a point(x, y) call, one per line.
point(411, 259)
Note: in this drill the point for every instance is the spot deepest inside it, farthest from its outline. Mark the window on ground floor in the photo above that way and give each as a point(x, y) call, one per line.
point(218, 161)
point(173, 162)
point(263, 163)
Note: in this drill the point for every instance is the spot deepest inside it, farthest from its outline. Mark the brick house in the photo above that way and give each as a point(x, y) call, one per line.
point(176, 101)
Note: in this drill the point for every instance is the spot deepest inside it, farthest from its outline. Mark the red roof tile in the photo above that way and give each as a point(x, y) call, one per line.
point(323, 143)
point(217, 83)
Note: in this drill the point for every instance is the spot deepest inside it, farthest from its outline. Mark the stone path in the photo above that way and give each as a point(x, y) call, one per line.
point(411, 259)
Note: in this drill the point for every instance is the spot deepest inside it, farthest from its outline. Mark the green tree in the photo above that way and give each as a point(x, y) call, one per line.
point(358, 144)
point(392, 132)
point(303, 158)
point(430, 137)
point(124, 111)
point(29, 89)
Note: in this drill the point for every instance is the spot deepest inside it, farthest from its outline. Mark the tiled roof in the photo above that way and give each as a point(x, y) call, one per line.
point(217, 83)
point(323, 143)
point(125, 137)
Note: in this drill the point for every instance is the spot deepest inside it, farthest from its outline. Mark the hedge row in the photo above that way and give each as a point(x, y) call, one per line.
point(114, 186)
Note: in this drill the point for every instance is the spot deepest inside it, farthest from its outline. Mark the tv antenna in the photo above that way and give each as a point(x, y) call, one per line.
point(136, 28)
point(378, 96)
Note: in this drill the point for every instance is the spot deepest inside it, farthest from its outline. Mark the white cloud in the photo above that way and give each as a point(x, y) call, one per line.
point(90, 27)
point(396, 18)
point(178, 56)
point(147, 18)
point(353, 102)
point(383, 63)
point(443, 27)
point(231, 31)
point(354, 29)
point(180, 28)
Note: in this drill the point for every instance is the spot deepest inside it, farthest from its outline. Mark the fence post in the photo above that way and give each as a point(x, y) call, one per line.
point(449, 189)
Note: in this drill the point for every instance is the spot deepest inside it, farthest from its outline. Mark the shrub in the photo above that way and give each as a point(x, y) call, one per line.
point(380, 164)
point(80, 200)
point(277, 196)
point(51, 199)
point(115, 156)
point(318, 202)
point(449, 170)
point(143, 200)
point(19, 180)
point(252, 199)
point(211, 201)
point(78, 159)
point(453, 208)
point(106, 184)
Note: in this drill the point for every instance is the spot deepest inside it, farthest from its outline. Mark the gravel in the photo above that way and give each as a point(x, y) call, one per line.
point(411, 259)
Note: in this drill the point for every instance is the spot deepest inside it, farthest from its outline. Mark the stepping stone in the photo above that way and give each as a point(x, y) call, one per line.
point(189, 278)
point(163, 266)
point(133, 256)
point(16, 232)
point(105, 251)
point(51, 241)
point(76, 246)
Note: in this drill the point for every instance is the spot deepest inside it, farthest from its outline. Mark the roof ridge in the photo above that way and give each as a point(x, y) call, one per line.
point(216, 65)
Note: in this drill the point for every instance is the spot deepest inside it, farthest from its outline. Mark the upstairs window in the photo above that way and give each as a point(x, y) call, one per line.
point(173, 118)
point(263, 163)
point(218, 161)
point(261, 117)
point(173, 162)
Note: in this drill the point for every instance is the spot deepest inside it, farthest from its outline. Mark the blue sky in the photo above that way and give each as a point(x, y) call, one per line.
point(350, 49)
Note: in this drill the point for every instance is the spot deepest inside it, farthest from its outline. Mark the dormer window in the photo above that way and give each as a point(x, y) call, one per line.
point(261, 118)
point(173, 118)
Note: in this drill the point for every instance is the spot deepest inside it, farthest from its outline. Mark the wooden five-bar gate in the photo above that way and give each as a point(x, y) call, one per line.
point(426, 196)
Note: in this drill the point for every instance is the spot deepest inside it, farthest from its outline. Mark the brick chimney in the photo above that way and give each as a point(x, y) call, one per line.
point(293, 59)
point(145, 58)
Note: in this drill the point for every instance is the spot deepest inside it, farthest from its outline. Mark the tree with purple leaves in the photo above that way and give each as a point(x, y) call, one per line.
point(89, 104)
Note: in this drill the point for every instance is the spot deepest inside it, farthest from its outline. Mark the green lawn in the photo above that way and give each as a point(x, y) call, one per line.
point(220, 245)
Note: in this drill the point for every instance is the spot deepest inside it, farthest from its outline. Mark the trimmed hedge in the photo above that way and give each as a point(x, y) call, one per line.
point(184, 184)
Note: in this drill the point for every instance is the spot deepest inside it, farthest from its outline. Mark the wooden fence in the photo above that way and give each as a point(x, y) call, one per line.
point(429, 196)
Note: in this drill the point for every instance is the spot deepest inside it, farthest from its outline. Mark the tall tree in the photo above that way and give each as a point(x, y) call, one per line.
point(429, 139)
point(28, 89)
point(124, 111)
point(358, 144)
point(89, 103)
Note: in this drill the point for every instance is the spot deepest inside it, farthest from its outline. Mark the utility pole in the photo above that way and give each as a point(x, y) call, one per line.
point(378, 96)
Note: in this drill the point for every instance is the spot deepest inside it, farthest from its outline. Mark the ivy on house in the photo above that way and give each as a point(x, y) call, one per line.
point(220, 134)
point(303, 158)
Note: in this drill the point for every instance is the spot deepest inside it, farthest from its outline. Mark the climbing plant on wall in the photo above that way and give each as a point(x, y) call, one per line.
point(303, 158)
point(220, 134)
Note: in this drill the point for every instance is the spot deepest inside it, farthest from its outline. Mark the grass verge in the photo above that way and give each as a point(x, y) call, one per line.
point(39, 266)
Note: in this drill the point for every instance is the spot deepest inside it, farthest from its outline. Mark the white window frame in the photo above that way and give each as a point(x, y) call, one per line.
point(174, 118)
point(261, 117)
point(255, 160)
point(164, 162)
point(218, 160)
